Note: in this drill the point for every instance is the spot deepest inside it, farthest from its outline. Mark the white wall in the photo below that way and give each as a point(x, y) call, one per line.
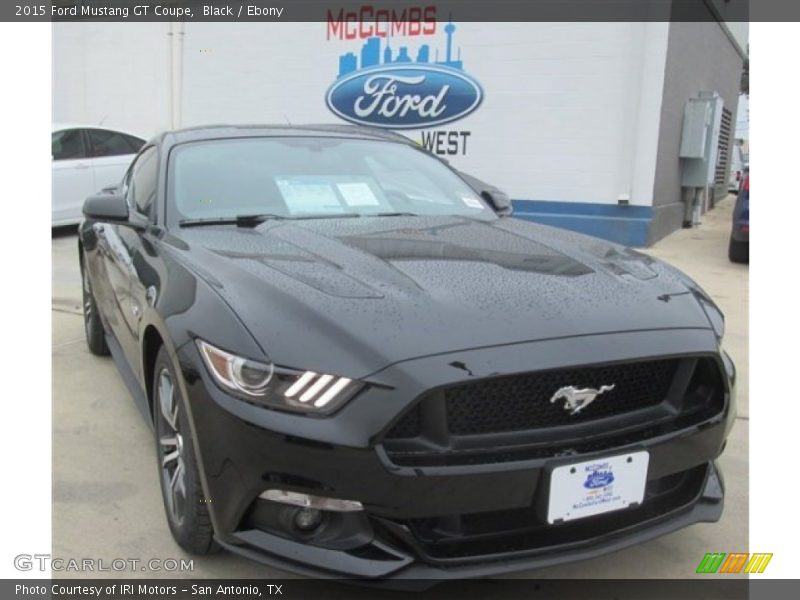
point(570, 113)
point(114, 73)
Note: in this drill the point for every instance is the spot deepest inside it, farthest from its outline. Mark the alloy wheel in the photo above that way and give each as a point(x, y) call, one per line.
point(87, 297)
point(171, 450)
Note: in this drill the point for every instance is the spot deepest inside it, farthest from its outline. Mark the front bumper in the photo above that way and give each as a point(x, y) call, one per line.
point(243, 450)
point(279, 552)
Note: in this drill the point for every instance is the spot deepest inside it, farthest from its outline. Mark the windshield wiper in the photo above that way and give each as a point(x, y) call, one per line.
point(393, 214)
point(238, 220)
point(257, 219)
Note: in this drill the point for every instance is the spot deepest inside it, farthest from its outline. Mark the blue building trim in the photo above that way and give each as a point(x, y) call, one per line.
point(629, 225)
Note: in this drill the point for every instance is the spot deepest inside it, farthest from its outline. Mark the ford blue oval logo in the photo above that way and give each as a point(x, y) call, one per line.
point(598, 479)
point(404, 97)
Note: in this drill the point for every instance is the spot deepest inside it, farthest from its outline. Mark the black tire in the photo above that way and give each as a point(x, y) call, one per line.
point(92, 325)
point(739, 252)
point(185, 504)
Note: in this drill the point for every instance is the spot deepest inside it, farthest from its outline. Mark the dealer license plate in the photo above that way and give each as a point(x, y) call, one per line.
point(597, 486)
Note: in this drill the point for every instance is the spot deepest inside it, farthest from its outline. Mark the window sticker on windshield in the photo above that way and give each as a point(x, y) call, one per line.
point(472, 202)
point(309, 196)
point(358, 193)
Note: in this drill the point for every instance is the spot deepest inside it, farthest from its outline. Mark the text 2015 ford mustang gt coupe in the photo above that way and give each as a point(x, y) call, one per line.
point(357, 365)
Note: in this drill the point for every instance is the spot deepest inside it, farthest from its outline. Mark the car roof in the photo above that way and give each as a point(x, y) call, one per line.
point(62, 126)
point(211, 132)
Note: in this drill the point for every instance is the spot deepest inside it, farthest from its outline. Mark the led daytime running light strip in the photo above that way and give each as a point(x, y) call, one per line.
point(316, 388)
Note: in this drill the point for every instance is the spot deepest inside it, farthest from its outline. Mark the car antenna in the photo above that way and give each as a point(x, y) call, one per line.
point(103, 120)
point(288, 122)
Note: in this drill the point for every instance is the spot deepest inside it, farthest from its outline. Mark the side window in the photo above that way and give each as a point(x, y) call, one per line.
point(68, 144)
point(111, 143)
point(140, 183)
point(135, 142)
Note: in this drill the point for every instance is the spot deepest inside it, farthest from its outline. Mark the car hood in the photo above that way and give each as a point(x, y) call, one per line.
point(351, 296)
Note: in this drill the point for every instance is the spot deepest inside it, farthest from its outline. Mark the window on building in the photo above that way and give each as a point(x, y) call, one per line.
point(723, 149)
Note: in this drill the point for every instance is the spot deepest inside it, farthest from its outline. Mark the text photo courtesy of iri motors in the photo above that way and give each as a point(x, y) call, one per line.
point(395, 297)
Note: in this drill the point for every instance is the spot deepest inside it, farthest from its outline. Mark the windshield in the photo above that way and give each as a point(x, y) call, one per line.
point(304, 177)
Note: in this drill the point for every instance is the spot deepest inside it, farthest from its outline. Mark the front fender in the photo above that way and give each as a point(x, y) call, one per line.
point(182, 306)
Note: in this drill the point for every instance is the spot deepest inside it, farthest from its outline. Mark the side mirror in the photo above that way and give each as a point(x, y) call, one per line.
point(499, 201)
point(106, 207)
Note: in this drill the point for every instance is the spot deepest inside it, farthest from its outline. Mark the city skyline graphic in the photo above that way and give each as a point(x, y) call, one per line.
point(372, 56)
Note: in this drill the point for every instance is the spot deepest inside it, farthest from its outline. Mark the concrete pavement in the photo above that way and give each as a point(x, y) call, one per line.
point(106, 499)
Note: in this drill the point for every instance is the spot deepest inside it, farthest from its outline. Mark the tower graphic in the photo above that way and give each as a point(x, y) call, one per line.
point(449, 29)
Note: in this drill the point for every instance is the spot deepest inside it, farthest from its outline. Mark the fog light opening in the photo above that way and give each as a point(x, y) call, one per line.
point(307, 519)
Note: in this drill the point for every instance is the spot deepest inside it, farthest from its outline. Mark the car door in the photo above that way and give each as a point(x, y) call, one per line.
point(73, 177)
point(122, 242)
point(112, 153)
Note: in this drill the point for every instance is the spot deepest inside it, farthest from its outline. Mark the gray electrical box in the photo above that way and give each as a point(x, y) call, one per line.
point(702, 117)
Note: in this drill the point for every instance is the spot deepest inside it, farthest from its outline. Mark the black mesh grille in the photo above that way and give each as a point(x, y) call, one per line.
point(478, 456)
point(522, 402)
point(409, 425)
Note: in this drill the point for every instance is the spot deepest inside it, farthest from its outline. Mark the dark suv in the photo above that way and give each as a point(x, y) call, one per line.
point(739, 246)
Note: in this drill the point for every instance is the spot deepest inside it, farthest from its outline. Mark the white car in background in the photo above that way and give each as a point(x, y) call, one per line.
point(86, 159)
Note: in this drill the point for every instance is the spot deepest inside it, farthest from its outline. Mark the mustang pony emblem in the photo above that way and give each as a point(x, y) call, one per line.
point(577, 399)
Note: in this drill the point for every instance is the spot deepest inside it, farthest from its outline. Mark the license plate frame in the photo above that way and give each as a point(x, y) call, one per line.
point(597, 486)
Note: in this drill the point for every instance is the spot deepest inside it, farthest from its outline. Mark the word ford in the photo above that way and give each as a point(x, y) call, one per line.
point(404, 97)
point(390, 103)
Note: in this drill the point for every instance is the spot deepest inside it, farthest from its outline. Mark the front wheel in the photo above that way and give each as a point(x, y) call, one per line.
point(92, 325)
point(184, 501)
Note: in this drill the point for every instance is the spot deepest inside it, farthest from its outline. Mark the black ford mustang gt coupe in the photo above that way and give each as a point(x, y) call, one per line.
point(356, 365)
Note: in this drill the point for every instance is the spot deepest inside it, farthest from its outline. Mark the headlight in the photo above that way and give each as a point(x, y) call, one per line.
point(236, 373)
point(263, 383)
